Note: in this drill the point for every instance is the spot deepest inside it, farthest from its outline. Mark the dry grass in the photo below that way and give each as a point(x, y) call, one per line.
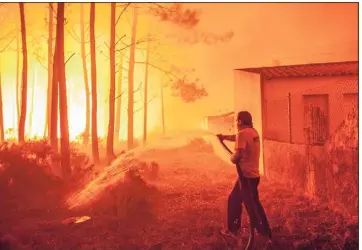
point(183, 208)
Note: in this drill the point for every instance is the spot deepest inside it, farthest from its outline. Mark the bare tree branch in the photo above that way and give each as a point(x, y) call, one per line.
point(119, 96)
point(69, 58)
point(97, 37)
point(134, 92)
point(54, 12)
point(103, 54)
point(88, 41)
point(41, 63)
point(150, 100)
point(123, 68)
point(159, 68)
point(87, 29)
point(121, 5)
point(138, 42)
point(7, 45)
point(160, 6)
point(138, 88)
point(75, 34)
point(75, 37)
point(124, 9)
point(6, 35)
point(11, 49)
point(155, 6)
point(119, 39)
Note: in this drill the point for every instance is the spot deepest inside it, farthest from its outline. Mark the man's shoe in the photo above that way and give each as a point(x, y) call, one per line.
point(232, 237)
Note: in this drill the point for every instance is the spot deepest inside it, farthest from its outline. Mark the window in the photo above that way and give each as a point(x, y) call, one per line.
point(316, 120)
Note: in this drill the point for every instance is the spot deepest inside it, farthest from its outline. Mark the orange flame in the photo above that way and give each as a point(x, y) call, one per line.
point(35, 120)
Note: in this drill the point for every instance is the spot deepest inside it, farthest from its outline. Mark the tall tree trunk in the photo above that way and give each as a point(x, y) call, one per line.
point(117, 125)
point(24, 83)
point(17, 77)
point(69, 93)
point(106, 105)
point(162, 109)
point(63, 110)
point(2, 134)
point(145, 98)
point(50, 70)
point(54, 102)
point(15, 117)
point(130, 142)
point(112, 87)
point(85, 75)
point(95, 151)
point(32, 103)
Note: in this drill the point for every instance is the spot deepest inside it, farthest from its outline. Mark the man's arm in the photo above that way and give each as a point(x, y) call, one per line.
point(227, 137)
point(240, 144)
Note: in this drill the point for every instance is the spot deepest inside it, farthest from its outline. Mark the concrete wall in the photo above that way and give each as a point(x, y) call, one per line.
point(339, 90)
point(328, 172)
point(286, 163)
point(311, 170)
point(248, 97)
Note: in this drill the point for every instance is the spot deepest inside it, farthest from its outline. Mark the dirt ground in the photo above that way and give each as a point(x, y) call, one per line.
point(184, 208)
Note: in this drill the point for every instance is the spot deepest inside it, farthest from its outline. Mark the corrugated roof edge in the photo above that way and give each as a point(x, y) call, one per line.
point(307, 70)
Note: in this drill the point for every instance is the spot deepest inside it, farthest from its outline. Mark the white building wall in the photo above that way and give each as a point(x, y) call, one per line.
point(247, 96)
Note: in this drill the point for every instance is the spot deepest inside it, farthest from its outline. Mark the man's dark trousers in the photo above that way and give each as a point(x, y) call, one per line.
point(247, 193)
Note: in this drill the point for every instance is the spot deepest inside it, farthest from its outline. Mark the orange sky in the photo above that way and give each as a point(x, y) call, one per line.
point(264, 34)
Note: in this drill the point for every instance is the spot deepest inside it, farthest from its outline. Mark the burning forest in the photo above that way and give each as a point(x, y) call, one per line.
point(112, 134)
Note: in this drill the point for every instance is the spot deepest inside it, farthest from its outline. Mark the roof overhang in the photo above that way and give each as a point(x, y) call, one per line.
point(307, 70)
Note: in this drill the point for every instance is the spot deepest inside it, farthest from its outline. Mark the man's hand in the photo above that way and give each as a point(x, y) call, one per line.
point(226, 137)
point(233, 158)
point(236, 157)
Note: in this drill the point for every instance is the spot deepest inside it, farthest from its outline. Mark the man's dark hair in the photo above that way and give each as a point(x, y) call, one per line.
point(246, 118)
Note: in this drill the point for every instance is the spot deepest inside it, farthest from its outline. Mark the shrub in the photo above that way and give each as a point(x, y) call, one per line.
point(81, 165)
point(131, 198)
point(25, 170)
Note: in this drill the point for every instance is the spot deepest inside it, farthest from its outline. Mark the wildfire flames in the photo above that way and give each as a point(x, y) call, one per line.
point(141, 56)
point(76, 220)
point(36, 113)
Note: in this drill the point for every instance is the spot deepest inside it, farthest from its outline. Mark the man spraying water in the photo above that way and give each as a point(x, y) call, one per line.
point(246, 157)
